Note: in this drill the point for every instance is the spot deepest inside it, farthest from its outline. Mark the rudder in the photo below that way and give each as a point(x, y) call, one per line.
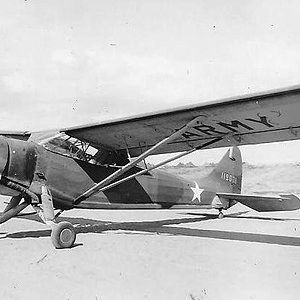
point(226, 177)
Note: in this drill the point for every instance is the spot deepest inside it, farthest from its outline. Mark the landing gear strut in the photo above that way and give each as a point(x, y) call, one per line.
point(63, 234)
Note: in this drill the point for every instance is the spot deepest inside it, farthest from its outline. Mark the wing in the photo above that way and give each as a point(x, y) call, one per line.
point(253, 119)
point(19, 135)
point(265, 203)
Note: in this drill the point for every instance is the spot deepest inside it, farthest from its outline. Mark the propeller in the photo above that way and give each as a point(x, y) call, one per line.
point(14, 201)
point(13, 208)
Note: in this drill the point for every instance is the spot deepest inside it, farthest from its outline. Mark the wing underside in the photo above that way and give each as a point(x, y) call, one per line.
point(19, 135)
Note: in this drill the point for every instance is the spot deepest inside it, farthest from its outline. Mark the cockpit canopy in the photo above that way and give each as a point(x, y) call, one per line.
point(69, 146)
point(63, 144)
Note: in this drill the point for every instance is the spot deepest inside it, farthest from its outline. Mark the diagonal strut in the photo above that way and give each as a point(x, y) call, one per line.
point(111, 185)
point(131, 164)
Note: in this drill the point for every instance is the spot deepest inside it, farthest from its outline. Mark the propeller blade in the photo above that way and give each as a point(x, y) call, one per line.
point(13, 212)
point(14, 201)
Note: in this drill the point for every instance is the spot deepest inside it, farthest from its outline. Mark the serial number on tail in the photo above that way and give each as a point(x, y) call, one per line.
point(229, 177)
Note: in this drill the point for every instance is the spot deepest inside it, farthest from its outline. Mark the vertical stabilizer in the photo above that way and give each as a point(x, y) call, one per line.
point(227, 175)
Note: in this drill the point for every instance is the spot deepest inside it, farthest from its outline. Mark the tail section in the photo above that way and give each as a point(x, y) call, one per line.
point(227, 175)
point(223, 188)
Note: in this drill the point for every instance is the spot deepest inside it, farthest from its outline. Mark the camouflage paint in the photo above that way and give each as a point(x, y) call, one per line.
point(30, 165)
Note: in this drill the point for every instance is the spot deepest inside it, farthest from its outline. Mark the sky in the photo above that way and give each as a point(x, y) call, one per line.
point(71, 62)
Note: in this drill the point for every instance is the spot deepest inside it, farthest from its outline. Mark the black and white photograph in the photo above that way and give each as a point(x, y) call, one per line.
point(149, 149)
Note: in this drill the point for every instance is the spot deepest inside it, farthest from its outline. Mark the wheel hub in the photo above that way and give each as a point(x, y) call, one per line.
point(66, 235)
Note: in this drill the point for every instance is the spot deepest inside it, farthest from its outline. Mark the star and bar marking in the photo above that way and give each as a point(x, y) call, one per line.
point(197, 192)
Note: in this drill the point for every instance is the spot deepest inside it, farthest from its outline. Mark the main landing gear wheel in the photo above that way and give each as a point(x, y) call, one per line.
point(63, 235)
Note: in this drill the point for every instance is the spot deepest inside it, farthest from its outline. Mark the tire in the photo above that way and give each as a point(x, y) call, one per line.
point(63, 235)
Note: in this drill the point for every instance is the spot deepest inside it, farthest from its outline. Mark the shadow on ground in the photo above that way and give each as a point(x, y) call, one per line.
point(85, 225)
point(238, 215)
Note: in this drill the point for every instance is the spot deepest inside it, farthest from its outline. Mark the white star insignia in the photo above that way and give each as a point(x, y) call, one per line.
point(197, 192)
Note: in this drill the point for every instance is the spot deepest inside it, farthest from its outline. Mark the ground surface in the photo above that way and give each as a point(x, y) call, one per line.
point(166, 254)
point(155, 255)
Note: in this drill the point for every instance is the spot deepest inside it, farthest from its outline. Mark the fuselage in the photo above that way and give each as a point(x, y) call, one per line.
point(68, 178)
point(24, 165)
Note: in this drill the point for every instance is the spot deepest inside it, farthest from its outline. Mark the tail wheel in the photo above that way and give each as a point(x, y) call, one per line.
point(63, 235)
point(220, 215)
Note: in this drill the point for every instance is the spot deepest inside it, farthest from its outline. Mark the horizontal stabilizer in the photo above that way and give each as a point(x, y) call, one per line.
point(265, 203)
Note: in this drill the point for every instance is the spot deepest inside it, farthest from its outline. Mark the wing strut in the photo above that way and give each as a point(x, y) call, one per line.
point(131, 164)
point(111, 185)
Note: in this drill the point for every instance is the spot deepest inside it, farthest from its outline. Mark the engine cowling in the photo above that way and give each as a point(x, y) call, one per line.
point(4, 154)
point(21, 161)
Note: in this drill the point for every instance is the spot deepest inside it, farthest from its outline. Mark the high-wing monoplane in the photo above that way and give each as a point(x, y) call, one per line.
point(98, 166)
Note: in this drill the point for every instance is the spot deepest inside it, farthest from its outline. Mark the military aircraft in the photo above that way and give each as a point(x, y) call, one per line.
point(98, 166)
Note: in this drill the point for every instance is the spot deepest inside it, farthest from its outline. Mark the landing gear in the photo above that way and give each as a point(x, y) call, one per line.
point(63, 234)
point(220, 215)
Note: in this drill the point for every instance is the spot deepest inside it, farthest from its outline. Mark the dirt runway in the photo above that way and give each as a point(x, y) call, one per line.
point(166, 254)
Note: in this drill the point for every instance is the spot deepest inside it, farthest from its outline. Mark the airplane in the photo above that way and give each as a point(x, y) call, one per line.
point(99, 166)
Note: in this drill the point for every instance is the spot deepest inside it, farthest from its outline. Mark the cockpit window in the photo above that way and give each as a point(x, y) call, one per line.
point(66, 145)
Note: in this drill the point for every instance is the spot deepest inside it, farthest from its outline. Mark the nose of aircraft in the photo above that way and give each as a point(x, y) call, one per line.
point(3, 154)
